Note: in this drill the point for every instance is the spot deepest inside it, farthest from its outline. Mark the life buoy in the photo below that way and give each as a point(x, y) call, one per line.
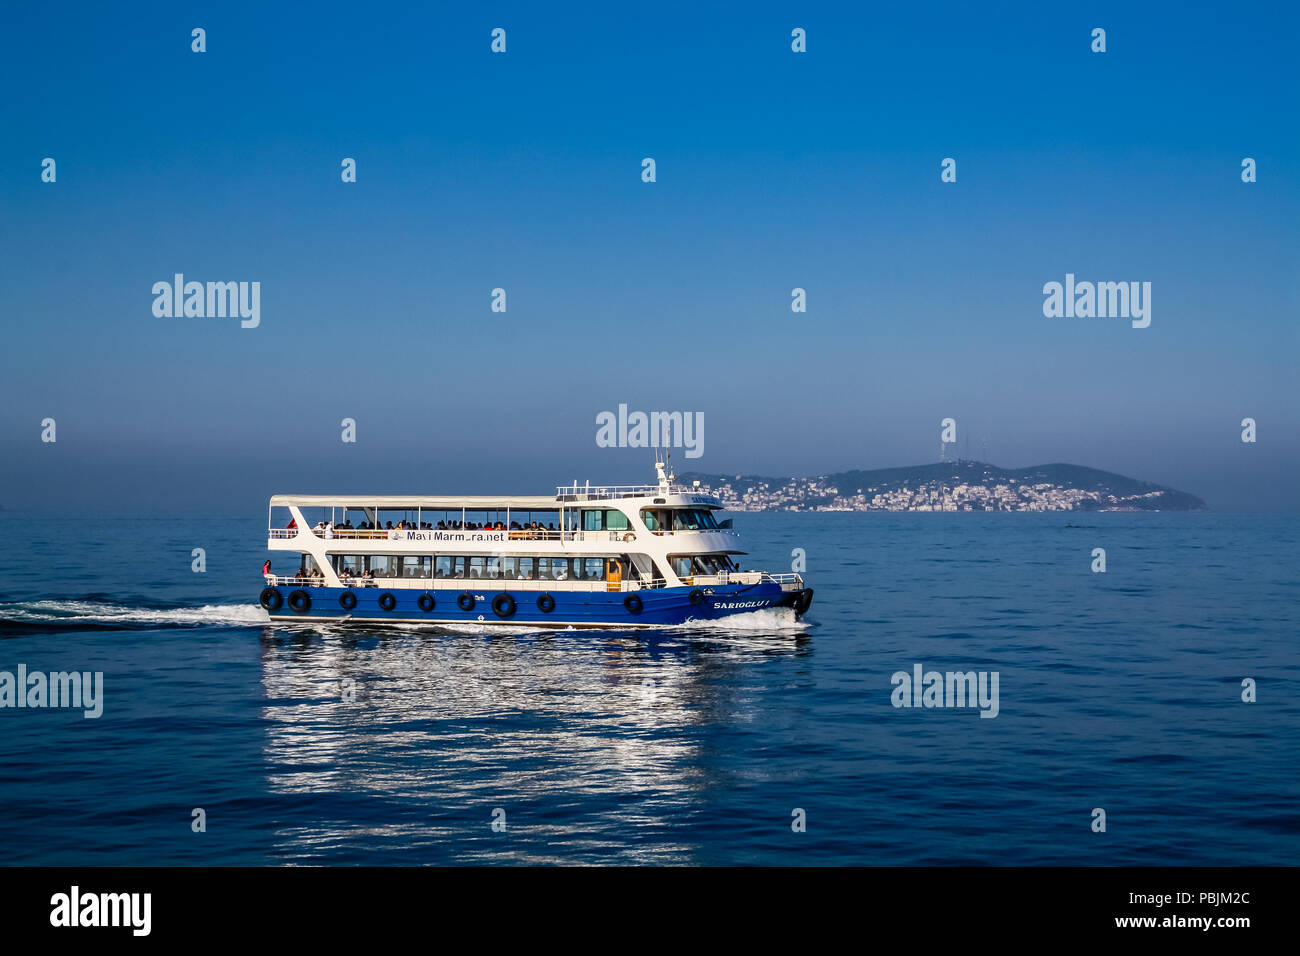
point(300, 601)
point(629, 536)
point(426, 602)
point(697, 597)
point(545, 603)
point(633, 604)
point(270, 599)
point(347, 600)
point(387, 601)
point(466, 601)
point(503, 605)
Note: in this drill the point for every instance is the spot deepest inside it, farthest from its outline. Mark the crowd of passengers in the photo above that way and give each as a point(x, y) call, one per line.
point(326, 529)
point(314, 576)
point(509, 574)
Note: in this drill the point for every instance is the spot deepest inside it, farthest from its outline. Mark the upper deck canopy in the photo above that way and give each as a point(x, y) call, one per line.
point(430, 503)
point(570, 496)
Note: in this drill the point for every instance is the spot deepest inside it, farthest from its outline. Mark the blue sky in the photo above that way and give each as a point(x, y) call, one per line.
point(774, 170)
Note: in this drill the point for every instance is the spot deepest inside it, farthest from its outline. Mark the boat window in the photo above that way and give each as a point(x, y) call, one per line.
point(650, 518)
point(603, 519)
point(681, 565)
point(691, 519)
point(383, 565)
point(442, 566)
point(712, 563)
point(415, 566)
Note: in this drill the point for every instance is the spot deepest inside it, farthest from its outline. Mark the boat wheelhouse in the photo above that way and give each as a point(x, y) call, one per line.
point(588, 556)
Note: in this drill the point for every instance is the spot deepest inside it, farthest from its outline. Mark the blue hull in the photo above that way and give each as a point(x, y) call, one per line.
point(657, 607)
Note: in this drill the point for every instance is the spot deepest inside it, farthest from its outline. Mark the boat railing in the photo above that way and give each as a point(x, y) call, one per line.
point(605, 492)
point(743, 577)
point(730, 531)
point(398, 534)
point(781, 578)
point(464, 584)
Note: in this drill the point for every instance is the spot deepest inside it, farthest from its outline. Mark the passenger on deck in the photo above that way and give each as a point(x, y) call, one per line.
point(266, 572)
point(329, 530)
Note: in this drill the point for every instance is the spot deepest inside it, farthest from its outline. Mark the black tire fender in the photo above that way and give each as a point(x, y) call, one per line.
point(545, 603)
point(503, 605)
point(426, 602)
point(300, 601)
point(465, 601)
point(633, 603)
point(271, 599)
point(387, 601)
point(347, 600)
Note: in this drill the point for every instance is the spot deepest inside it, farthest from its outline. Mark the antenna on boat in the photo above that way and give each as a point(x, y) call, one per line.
point(663, 469)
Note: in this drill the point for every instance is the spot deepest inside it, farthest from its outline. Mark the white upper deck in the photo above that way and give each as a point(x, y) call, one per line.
point(664, 493)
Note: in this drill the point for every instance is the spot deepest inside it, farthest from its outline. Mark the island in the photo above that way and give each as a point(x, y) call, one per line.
point(960, 485)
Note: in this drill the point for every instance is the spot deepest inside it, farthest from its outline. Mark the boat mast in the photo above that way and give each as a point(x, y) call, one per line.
point(663, 468)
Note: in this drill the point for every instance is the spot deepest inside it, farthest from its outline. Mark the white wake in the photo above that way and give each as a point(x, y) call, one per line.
point(72, 613)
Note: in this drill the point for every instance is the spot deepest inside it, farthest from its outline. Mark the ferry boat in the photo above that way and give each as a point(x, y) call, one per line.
point(590, 556)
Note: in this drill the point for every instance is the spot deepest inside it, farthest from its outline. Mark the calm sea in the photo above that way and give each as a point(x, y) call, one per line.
point(1119, 691)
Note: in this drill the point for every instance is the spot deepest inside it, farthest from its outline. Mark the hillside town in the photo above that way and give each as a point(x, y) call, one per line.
point(1003, 494)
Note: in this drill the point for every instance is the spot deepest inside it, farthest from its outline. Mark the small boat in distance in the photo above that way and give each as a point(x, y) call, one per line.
point(589, 556)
